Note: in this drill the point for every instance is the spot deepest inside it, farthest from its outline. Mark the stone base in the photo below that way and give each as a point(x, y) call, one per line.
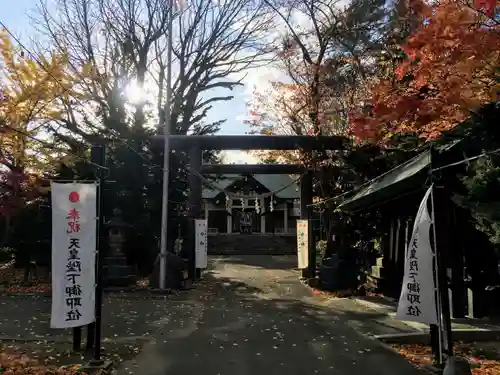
point(176, 266)
point(116, 272)
point(121, 281)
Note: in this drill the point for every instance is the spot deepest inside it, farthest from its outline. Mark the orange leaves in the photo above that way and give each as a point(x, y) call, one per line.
point(451, 69)
point(20, 364)
point(40, 288)
point(34, 86)
point(17, 187)
point(482, 356)
point(35, 94)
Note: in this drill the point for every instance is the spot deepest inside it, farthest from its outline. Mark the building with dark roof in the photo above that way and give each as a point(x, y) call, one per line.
point(253, 204)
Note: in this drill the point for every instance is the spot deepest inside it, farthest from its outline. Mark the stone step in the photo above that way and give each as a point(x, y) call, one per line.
point(251, 252)
point(251, 244)
point(119, 281)
point(116, 260)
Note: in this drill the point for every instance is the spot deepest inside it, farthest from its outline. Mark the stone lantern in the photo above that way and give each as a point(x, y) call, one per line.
point(116, 271)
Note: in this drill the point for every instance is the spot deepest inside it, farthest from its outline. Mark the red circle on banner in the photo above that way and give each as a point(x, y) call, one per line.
point(74, 197)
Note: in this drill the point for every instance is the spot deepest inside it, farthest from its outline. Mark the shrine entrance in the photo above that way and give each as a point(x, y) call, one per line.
point(245, 220)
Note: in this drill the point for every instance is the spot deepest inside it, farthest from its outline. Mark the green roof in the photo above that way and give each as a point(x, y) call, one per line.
point(403, 177)
point(272, 182)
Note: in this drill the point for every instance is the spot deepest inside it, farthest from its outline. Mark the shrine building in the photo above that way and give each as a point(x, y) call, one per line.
point(260, 204)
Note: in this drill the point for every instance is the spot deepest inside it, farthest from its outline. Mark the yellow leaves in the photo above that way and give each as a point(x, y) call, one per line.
point(35, 90)
point(44, 190)
point(4, 37)
point(495, 93)
point(67, 160)
point(5, 46)
point(34, 85)
point(87, 69)
point(54, 114)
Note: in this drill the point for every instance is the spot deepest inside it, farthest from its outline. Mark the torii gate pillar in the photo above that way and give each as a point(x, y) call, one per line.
point(194, 206)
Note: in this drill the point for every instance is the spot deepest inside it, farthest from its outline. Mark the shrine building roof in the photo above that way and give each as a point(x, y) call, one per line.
point(272, 182)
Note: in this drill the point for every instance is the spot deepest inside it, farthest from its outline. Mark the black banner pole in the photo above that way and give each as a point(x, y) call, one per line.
point(98, 157)
point(440, 241)
point(438, 207)
point(77, 338)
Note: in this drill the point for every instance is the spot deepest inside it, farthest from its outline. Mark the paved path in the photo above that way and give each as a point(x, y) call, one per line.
point(250, 316)
point(125, 318)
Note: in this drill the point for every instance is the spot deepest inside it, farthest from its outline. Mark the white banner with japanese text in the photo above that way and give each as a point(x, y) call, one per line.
point(303, 243)
point(417, 302)
point(201, 243)
point(74, 220)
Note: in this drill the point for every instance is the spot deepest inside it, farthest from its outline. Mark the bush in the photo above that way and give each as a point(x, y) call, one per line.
point(320, 249)
point(6, 254)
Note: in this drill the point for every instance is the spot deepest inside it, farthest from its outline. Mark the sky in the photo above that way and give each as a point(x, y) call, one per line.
point(14, 14)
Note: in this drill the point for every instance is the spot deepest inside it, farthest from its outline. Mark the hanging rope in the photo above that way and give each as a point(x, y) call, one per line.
point(238, 196)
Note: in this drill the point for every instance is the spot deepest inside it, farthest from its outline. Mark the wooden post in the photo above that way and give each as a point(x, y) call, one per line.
point(194, 205)
point(262, 216)
point(285, 218)
point(306, 214)
point(459, 289)
point(394, 289)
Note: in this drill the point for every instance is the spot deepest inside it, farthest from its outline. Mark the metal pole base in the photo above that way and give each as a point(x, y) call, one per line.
point(77, 339)
point(97, 365)
point(457, 366)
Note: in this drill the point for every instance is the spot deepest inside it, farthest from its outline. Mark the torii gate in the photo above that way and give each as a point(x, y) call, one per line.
point(195, 145)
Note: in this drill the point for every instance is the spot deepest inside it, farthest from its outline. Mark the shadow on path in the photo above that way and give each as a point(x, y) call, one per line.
point(282, 262)
point(252, 322)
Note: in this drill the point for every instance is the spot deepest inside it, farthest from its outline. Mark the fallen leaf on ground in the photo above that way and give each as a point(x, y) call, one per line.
point(38, 288)
point(15, 363)
point(484, 357)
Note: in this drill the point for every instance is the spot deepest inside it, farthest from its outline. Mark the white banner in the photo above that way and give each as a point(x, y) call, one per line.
point(73, 254)
point(417, 302)
point(303, 243)
point(201, 243)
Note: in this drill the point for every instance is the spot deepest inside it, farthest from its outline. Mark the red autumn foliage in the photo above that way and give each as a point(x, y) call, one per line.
point(483, 357)
point(486, 6)
point(20, 364)
point(451, 69)
point(16, 188)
